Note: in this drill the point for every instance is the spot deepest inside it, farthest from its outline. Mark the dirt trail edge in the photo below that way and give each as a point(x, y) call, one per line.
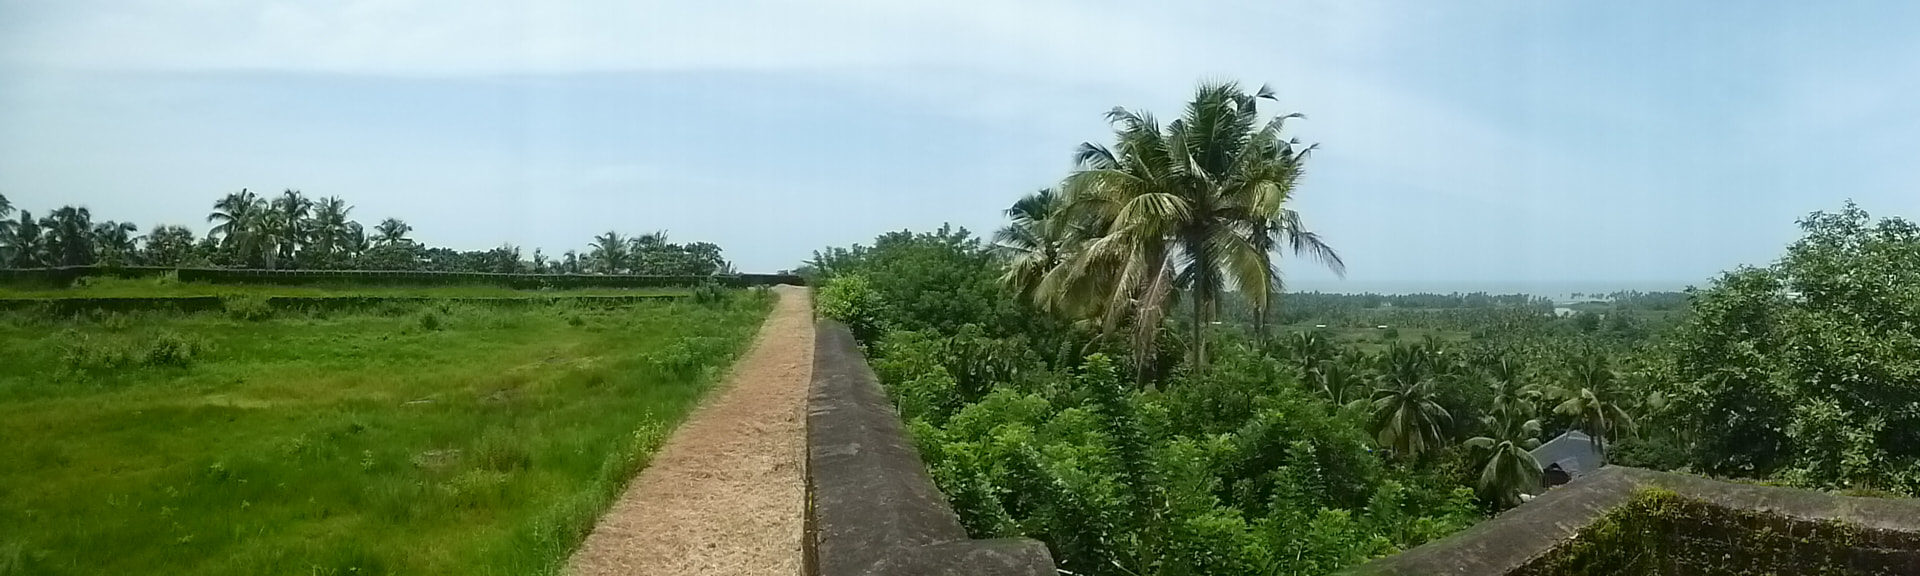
point(724, 495)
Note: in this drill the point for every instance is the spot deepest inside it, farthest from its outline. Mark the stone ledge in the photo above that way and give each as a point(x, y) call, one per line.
point(1508, 543)
point(872, 509)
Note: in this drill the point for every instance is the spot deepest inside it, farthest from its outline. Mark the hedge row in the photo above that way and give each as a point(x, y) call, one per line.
point(217, 303)
point(63, 276)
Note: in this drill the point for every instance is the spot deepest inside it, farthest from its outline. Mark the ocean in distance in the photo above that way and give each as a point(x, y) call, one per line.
point(1555, 290)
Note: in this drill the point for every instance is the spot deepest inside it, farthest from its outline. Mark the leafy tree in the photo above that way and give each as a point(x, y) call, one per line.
point(169, 246)
point(931, 281)
point(1803, 371)
point(401, 255)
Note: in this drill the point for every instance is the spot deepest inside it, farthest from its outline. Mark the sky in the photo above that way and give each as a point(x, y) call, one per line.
point(1470, 145)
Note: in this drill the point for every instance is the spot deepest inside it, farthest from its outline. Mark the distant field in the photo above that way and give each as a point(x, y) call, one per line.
point(102, 287)
point(435, 439)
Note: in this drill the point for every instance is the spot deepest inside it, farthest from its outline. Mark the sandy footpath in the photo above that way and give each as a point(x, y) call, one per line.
point(724, 494)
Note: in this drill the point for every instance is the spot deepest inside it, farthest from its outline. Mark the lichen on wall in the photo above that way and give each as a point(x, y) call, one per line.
point(1662, 533)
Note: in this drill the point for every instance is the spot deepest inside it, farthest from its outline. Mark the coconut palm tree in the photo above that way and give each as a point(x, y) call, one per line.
point(291, 223)
point(328, 232)
point(608, 252)
point(115, 243)
point(237, 221)
point(1588, 399)
point(1406, 413)
point(1191, 210)
point(69, 236)
point(1336, 380)
point(6, 211)
point(1034, 242)
point(1309, 347)
point(1507, 466)
point(1512, 395)
point(22, 243)
point(391, 231)
point(354, 242)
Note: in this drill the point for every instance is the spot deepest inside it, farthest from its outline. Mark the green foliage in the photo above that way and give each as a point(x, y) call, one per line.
point(1805, 370)
point(1236, 470)
point(430, 320)
point(928, 281)
point(248, 307)
point(854, 301)
point(711, 293)
point(82, 352)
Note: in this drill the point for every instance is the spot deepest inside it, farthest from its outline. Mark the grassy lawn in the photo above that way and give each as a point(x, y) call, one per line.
point(442, 439)
point(104, 287)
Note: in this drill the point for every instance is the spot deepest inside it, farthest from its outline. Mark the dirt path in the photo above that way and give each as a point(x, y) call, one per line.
point(724, 495)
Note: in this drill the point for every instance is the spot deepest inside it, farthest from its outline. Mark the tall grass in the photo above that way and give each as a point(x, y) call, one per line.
point(342, 443)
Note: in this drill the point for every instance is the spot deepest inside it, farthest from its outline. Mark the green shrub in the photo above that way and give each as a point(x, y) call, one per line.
point(853, 301)
point(83, 352)
point(711, 293)
point(169, 348)
point(430, 321)
point(574, 320)
point(246, 307)
point(116, 322)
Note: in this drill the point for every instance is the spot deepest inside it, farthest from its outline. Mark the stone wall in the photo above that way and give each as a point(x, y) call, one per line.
point(1746, 529)
point(872, 509)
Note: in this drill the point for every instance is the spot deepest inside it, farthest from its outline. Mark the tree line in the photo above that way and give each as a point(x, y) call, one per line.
point(292, 231)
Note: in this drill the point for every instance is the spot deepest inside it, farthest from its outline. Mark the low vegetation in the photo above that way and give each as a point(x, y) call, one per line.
point(432, 438)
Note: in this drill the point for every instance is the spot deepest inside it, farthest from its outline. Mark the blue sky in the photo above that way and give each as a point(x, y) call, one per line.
point(1477, 144)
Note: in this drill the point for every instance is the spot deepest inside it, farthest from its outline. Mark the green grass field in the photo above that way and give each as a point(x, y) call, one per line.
point(103, 287)
point(441, 439)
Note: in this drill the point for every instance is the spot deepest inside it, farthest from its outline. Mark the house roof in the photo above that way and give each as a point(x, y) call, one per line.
point(1573, 452)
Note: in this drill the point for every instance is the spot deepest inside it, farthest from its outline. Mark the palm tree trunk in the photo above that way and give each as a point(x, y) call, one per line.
point(1199, 345)
point(1147, 322)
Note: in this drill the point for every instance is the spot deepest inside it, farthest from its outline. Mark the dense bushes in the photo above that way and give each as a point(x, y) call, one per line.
point(1807, 371)
point(161, 348)
point(1240, 469)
